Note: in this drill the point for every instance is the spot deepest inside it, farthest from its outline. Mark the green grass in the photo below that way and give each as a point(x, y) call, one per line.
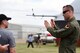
point(49, 48)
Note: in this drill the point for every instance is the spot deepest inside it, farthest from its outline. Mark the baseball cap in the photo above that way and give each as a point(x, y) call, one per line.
point(4, 17)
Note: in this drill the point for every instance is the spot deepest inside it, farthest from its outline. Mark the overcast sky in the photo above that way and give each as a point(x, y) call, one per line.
point(18, 9)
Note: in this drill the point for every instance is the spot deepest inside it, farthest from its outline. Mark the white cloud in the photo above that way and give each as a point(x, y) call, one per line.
point(13, 1)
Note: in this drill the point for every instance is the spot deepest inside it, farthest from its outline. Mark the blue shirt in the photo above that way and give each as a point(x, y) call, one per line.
point(30, 38)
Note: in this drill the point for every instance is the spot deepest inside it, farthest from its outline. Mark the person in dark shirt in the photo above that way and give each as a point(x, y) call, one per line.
point(7, 41)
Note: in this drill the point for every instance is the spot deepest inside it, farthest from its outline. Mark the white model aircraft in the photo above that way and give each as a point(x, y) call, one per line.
point(42, 15)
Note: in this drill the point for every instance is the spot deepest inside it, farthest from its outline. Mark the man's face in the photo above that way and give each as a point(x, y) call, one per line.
point(66, 13)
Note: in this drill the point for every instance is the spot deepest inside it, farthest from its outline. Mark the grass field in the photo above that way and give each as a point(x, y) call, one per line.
point(49, 48)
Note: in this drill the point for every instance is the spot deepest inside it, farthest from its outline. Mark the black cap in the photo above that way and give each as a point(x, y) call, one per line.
point(4, 17)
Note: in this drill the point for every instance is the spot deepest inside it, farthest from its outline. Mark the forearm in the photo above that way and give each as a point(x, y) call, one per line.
point(54, 32)
point(50, 30)
point(56, 27)
point(59, 33)
point(12, 50)
point(0, 47)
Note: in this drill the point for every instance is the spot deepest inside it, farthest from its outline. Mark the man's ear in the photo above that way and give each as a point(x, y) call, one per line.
point(4, 21)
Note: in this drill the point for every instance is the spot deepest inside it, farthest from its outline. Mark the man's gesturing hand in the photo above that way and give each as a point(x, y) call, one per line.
point(46, 24)
point(52, 23)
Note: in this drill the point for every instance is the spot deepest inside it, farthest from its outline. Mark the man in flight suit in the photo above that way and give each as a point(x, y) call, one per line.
point(68, 34)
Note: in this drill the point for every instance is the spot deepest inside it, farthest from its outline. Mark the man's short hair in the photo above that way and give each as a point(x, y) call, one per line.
point(70, 7)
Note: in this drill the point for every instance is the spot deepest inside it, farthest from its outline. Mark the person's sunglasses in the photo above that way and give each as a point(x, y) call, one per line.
point(65, 11)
